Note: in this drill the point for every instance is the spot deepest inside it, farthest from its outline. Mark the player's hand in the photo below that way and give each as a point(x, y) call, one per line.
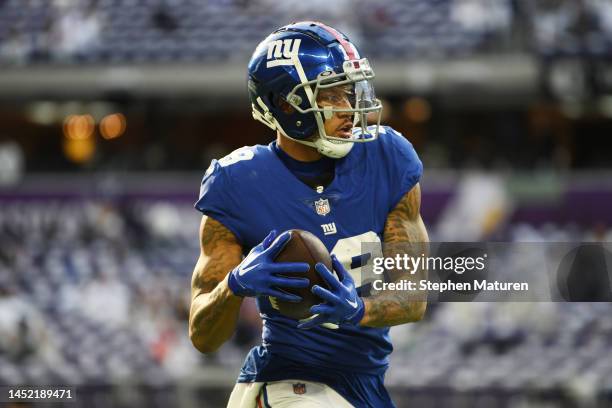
point(258, 274)
point(342, 303)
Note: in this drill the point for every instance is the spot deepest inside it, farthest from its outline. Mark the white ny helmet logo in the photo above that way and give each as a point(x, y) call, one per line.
point(283, 51)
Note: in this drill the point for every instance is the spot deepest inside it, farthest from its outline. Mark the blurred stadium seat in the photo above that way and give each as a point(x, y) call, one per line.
point(98, 294)
point(136, 31)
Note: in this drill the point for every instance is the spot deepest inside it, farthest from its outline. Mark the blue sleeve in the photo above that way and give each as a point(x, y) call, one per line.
point(404, 166)
point(216, 199)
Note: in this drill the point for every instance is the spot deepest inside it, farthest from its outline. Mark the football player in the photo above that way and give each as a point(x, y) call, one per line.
point(328, 172)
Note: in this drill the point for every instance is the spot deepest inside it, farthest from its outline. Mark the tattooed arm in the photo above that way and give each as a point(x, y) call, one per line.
point(405, 228)
point(214, 309)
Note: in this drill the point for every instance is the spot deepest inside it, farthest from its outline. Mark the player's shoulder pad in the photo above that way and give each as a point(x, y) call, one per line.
point(223, 175)
point(235, 163)
point(243, 157)
point(392, 139)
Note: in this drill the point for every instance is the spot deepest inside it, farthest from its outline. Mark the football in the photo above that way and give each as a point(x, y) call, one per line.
point(303, 247)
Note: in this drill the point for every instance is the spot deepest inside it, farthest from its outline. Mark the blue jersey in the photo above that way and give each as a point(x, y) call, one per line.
point(252, 192)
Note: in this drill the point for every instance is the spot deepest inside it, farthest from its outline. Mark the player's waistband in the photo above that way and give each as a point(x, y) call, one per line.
point(274, 363)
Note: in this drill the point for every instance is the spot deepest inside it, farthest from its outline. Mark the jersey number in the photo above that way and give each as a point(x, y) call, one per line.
point(244, 153)
point(348, 251)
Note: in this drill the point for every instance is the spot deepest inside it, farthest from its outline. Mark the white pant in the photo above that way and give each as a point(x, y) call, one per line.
point(285, 394)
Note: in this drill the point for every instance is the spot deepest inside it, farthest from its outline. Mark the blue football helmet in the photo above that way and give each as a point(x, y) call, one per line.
point(294, 67)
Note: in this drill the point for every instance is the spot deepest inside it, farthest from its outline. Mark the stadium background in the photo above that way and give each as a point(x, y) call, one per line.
point(111, 110)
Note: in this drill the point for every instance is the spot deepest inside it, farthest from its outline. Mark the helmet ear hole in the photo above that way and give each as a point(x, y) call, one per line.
point(286, 107)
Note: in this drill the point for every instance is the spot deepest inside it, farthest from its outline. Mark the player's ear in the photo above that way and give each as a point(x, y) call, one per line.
point(285, 106)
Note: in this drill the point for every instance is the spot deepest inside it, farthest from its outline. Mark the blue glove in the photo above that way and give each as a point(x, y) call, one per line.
point(258, 274)
point(342, 304)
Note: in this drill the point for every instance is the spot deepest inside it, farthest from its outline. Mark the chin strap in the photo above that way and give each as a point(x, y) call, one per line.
point(333, 150)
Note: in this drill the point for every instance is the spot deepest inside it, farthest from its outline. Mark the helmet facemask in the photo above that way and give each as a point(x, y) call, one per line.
point(349, 94)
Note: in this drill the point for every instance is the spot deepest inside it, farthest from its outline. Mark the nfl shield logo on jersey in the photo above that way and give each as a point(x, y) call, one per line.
point(322, 206)
point(299, 388)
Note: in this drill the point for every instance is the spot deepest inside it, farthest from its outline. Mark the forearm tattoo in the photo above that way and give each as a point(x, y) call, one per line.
point(220, 252)
point(216, 240)
point(404, 233)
